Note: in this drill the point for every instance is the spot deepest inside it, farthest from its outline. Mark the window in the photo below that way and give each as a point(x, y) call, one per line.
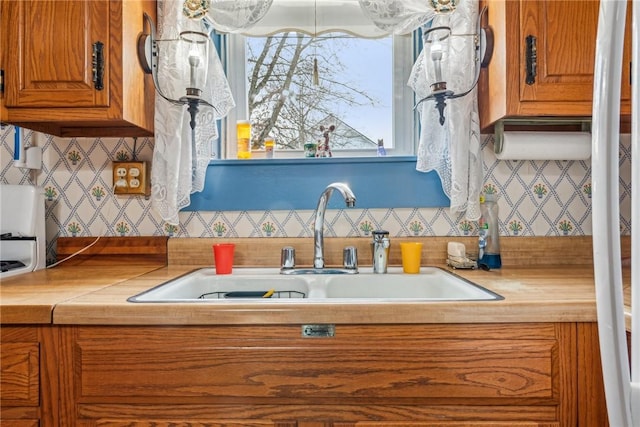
point(278, 184)
point(360, 89)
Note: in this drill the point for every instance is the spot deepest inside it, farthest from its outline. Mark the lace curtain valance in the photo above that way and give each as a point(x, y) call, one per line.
point(232, 16)
point(398, 16)
point(312, 17)
point(362, 18)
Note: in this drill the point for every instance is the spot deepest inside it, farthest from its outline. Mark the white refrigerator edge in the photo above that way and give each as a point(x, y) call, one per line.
point(621, 377)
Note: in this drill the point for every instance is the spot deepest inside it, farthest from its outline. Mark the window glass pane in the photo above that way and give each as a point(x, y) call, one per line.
point(351, 90)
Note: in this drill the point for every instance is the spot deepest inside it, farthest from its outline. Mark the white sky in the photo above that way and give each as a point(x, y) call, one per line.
point(370, 63)
point(369, 66)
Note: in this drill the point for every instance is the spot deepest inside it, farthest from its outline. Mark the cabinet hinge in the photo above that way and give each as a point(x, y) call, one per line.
point(97, 65)
point(531, 59)
point(1, 81)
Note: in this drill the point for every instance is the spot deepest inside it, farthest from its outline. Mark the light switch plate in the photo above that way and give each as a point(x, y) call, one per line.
point(132, 178)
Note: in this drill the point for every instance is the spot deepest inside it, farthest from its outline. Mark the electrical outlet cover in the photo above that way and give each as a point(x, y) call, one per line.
point(132, 178)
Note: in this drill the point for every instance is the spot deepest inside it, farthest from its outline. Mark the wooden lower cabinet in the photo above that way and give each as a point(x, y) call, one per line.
point(28, 376)
point(517, 375)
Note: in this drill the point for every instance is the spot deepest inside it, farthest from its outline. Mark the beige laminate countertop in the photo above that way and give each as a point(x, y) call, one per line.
point(97, 294)
point(30, 298)
point(554, 294)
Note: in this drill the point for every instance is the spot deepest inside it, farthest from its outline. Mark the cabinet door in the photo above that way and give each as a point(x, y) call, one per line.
point(51, 59)
point(28, 376)
point(20, 374)
point(543, 60)
point(564, 35)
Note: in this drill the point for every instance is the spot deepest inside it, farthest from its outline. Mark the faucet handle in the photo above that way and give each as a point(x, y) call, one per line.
point(350, 258)
point(287, 258)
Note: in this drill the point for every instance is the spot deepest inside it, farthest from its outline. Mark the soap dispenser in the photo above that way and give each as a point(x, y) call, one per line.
point(488, 233)
point(380, 249)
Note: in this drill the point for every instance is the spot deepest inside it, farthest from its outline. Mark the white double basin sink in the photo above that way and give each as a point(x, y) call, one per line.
point(265, 285)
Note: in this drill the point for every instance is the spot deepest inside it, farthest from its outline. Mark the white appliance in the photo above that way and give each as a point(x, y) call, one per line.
point(22, 229)
point(621, 377)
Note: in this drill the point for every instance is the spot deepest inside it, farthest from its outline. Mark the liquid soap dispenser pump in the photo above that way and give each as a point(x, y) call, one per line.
point(380, 250)
point(489, 237)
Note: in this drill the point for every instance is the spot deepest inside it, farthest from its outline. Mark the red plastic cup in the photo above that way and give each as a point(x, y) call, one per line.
point(223, 257)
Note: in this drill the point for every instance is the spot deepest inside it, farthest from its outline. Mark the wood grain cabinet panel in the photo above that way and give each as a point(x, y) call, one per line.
point(20, 423)
point(56, 79)
point(19, 365)
point(28, 376)
point(562, 35)
point(221, 423)
point(53, 53)
point(466, 375)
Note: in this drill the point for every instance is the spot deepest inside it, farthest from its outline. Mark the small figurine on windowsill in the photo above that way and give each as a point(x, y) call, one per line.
point(324, 150)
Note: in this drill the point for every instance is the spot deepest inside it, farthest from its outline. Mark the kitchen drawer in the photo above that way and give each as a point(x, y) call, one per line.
point(505, 374)
point(421, 369)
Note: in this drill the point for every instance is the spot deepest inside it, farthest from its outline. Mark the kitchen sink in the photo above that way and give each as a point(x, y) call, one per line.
point(205, 285)
point(431, 284)
point(266, 285)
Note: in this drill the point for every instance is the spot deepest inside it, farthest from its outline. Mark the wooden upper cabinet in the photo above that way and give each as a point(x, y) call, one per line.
point(54, 45)
point(71, 67)
point(543, 60)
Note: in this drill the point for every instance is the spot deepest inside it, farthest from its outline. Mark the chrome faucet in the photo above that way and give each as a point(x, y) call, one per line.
point(318, 224)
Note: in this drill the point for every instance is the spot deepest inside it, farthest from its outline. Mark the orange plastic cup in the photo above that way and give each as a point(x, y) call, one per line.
point(411, 256)
point(223, 257)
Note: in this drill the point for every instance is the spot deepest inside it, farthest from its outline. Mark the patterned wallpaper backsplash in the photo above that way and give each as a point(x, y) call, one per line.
point(535, 198)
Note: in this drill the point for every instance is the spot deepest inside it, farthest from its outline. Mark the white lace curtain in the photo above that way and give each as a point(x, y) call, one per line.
point(179, 163)
point(452, 150)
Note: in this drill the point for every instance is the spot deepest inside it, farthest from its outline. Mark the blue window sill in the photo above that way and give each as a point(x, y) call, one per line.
point(295, 184)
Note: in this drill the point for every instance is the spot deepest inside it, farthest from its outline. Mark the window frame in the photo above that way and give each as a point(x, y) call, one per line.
point(368, 176)
point(405, 120)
